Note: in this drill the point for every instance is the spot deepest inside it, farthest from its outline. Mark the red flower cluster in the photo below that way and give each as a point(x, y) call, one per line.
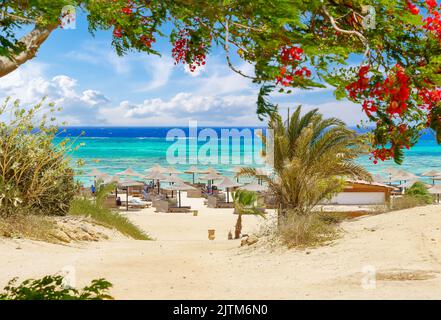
point(127, 10)
point(412, 8)
point(117, 32)
point(358, 88)
point(392, 95)
point(396, 89)
point(382, 154)
point(290, 58)
point(291, 54)
point(433, 20)
point(429, 97)
point(433, 23)
point(181, 52)
point(147, 40)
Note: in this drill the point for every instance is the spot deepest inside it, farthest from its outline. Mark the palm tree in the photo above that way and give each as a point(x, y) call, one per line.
point(312, 158)
point(244, 203)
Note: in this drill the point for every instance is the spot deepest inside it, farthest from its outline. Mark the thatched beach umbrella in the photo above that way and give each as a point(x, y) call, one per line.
point(179, 187)
point(210, 177)
point(156, 168)
point(171, 170)
point(210, 170)
point(226, 184)
point(155, 175)
point(192, 170)
point(407, 184)
point(172, 179)
point(94, 173)
point(236, 170)
point(254, 187)
point(402, 175)
point(432, 174)
point(114, 179)
point(436, 189)
point(126, 184)
point(260, 174)
point(380, 179)
point(130, 173)
point(103, 176)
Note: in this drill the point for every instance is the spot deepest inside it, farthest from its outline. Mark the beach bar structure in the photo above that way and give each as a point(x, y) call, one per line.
point(359, 192)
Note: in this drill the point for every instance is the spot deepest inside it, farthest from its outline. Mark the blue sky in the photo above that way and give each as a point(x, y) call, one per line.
point(94, 86)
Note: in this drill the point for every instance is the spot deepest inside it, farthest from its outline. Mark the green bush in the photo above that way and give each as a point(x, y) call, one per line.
point(419, 191)
point(35, 175)
point(52, 288)
point(95, 210)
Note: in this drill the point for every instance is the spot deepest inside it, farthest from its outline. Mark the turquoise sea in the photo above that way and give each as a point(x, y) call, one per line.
point(113, 150)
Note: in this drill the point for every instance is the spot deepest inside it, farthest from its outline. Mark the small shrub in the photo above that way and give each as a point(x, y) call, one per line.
point(95, 210)
point(407, 202)
point(35, 175)
point(419, 191)
point(307, 230)
point(52, 288)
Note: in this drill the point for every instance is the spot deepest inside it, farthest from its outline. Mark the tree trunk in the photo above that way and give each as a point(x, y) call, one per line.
point(32, 42)
point(238, 229)
point(281, 216)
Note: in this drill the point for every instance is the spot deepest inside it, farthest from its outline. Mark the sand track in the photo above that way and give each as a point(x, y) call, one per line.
point(402, 247)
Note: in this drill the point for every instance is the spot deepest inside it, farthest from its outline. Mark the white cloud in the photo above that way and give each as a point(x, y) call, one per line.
point(160, 70)
point(30, 85)
point(215, 97)
point(186, 105)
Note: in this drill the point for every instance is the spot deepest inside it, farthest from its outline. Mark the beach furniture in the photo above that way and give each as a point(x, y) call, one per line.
point(156, 176)
point(110, 202)
point(211, 177)
point(126, 184)
point(161, 205)
point(436, 191)
point(179, 187)
point(217, 202)
point(226, 185)
point(197, 193)
point(167, 206)
point(138, 204)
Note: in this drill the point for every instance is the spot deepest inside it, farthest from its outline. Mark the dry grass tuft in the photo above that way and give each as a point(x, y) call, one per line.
point(405, 275)
point(301, 231)
point(406, 202)
point(32, 227)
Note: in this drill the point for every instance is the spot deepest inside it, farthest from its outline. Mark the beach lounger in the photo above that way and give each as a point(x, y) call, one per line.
point(137, 203)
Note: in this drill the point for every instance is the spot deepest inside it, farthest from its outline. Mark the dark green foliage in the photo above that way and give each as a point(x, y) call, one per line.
point(35, 175)
point(419, 191)
point(52, 288)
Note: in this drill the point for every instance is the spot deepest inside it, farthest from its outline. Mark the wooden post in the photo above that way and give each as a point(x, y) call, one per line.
point(127, 198)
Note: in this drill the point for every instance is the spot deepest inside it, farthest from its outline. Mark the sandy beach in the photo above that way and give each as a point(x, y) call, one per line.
point(183, 264)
